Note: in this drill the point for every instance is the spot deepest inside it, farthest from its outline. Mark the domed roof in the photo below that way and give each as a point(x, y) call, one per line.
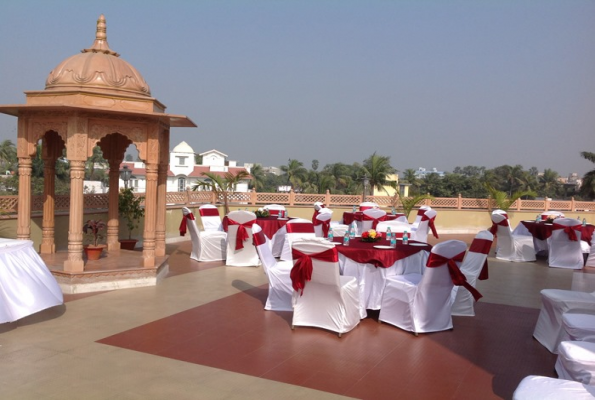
point(183, 148)
point(97, 68)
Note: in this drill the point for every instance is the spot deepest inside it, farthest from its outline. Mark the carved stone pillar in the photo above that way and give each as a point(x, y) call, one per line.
point(75, 262)
point(24, 216)
point(150, 216)
point(47, 228)
point(113, 224)
point(160, 227)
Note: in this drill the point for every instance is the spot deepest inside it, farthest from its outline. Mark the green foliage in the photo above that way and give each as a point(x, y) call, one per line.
point(503, 201)
point(129, 208)
point(408, 203)
point(94, 227)
point(221, 185)
point(588, 187)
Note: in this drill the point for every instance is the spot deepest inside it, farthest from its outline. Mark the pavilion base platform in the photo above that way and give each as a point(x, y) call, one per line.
point(116, 269)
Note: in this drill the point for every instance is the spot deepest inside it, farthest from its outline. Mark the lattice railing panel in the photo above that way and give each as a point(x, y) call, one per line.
point(532, 205)
point(442, 202)
point(559, 205)
point(383, 201)
point(345, 200)
point(176, 198)
point(584, 206)
point(200, 197)
point(96, 201)
point(474, 203)
point(308, 198)
point(61, 202)
point(272, 198)
point(236, 197)
point(8, 204)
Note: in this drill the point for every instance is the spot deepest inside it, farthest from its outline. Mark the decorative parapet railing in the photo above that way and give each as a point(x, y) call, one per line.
point(97, 202)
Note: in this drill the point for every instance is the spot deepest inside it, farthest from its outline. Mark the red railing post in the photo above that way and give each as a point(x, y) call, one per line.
point(572, 205)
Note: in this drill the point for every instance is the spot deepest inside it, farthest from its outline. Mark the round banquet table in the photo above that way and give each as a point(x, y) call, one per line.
point(372, 266)
point(543, 230)
point(349, 217)
point(26, 284)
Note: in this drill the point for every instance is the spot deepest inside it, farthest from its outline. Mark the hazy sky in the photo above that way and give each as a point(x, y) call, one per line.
point(428, 83)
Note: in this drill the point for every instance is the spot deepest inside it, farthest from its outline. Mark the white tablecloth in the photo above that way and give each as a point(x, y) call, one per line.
point(26, 284)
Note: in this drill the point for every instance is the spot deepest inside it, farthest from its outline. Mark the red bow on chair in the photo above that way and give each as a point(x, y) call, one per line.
point(482, 246)
point(494, 228)
point(375, 221)
point(183, 223)
point(242, 234)
point(458, 278)
point(430, 224)
point(302, 269)
point(325, 226)
point(208, 212)
point(569, 230)
point(258, 238)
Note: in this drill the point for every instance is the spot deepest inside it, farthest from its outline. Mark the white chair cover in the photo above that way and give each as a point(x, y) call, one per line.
point(551, 214)
point(211, 220)
point(535, 387)
point(422, 210)
point(591, 257)
point(274, 209)
point(339, 230)
point(366, 205)
point(375, 214)
point(554, 303)
point(206, 246)
point(578, 326)
point(427, 220)
point(329, 300)
point(246, 256)
point(422, 303)
point(395, 225)
point(563, 251)
point(322, 223)
point(576, 362)
point(26, 284)
point(295, 228)
point(474, 262)
point(511, 247)
point(280, 288)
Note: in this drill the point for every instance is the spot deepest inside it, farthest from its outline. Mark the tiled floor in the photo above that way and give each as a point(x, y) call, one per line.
point(203, 334)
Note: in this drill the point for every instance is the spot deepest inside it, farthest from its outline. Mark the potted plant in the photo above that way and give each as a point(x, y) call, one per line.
point(94, 227)
point(129, 208)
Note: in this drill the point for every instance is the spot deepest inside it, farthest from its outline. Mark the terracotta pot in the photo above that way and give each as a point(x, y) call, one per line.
point(127, 244)
point(93, 253)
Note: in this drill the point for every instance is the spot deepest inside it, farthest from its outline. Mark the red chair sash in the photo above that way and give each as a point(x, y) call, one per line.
point(494, 228)
point(299, 228)
point(316, 212)
point(302, 268)
point(430, 224)
point(208, 212)
point(482, 246)
point(364, 208)
point(421, 212)
point(242, 234)
point(258, 238)
point(325, 226)
point(183, 224)
point(569, 230)
point(374, 220)
point(458, 278)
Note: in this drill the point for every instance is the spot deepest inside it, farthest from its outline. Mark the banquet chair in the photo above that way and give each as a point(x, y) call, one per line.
point(565, 244)
point(274, 209)
point(554, 303)
point(422, 210)
point(511, 247)
point(551, 214)
point(371, 218)
point(206, 246)
point(425, 224)
point(535, 387)
point(396, 227)
point(422, 303)
point(366, 205)
point(241, 251)
point(322, 222)
point(295, 228)
point(474, 266)
point(576, 361)
point(211, 220)
point(322, 297)
point(339, 230)
point(278, 273)
point(591, 257)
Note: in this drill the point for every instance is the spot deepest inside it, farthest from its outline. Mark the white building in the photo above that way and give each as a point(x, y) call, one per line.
point(184, 171)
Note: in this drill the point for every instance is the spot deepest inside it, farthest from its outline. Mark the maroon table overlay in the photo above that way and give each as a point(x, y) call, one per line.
point(269, 225)
point(365, 253)
point(349, 217)
point(542, 230)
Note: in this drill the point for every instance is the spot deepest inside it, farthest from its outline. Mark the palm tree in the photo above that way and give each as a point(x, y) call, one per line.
point(295, 172)
point(95, 159)
point(221, 185)
point(503, 201)
point(407, 203)
point(587, 189)
point(8, 154)
point(410, 177)
point(377, 168)
point(258, 177)
point(549, 182)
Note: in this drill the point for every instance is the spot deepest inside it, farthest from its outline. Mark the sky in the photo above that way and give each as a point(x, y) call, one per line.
point(433, 84)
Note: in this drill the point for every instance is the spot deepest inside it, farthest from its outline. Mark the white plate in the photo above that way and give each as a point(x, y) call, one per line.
point(337, 244)
point(382, 247)
point(417, 244)
point(283, 219)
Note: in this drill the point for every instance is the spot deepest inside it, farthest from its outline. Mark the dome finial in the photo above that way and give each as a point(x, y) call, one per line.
point(100, 44)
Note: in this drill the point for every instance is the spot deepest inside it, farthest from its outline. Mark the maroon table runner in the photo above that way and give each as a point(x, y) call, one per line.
point(365, 253)
point(543, 230)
